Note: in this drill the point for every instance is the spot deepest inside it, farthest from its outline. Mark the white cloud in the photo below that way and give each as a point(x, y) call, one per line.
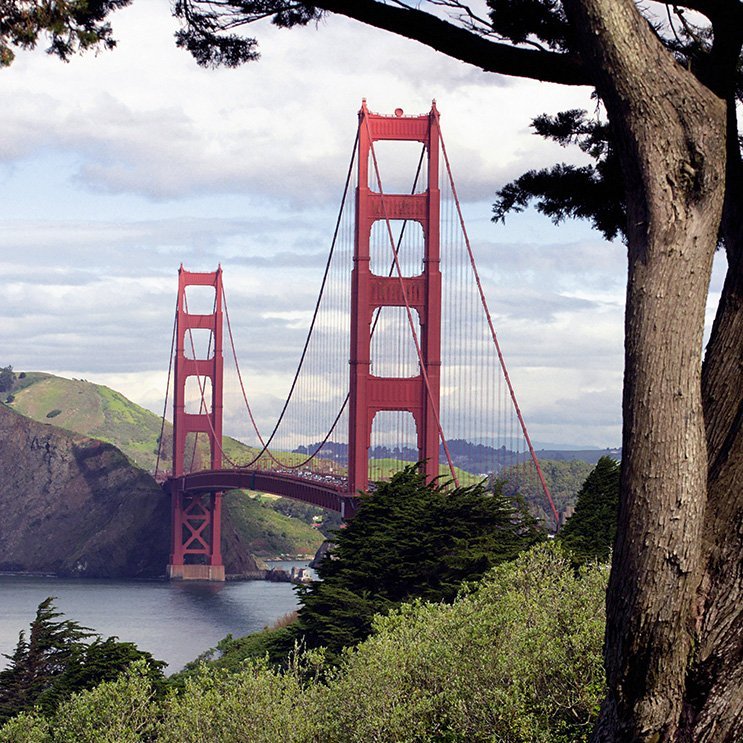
point(115, 169)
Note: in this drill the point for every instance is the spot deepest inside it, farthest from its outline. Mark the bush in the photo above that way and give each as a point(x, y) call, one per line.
point(519, 659)
point(258, 704)
point(120, 711)
point(7, 379)
point(53, 413)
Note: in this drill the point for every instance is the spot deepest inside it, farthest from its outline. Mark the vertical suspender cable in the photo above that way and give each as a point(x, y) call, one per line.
point(408, 311)
point(495, 339)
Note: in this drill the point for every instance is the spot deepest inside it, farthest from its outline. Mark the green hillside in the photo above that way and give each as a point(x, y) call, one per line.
point(102, 413)
point(383, 469)
point(267, 532)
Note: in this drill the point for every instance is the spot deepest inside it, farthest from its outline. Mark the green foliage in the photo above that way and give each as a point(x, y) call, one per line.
point(564, 480)
point(7, 379)
point(593, 192)
point(589, 533)
point(202, 32)
point(258, 704)
point(231, 653)
point(522, 20)
point(408, 540)
point(120, 711)
point(71, 26)
point(518, 659)
point(37, 664)
point(53, 413)
point(57, 661)
point(26, 728)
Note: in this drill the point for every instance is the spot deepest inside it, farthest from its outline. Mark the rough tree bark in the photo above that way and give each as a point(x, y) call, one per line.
point(714, 700)
point(672, 148)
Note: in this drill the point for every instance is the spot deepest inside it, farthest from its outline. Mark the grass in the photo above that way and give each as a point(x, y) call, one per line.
point(266, 532)
point(102, 413)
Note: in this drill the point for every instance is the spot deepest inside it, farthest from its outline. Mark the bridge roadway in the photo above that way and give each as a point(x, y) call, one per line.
point(319, 490)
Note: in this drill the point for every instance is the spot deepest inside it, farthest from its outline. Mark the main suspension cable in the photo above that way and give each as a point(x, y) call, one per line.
point(267, 443)
point(167, 389)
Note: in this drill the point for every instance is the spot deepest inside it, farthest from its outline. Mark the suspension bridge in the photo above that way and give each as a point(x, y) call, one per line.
point(401, 361)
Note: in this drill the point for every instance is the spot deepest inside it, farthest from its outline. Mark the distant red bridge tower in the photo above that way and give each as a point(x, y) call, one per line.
point(196, 517)
point(370, 394)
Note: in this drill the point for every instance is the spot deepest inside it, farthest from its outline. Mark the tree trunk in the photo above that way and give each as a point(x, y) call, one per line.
point(671, 135)
point(714, 705)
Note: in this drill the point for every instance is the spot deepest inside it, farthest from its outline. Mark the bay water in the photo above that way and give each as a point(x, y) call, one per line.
point(175, 622)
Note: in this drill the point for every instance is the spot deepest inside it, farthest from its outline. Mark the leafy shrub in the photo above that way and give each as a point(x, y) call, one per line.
point(53, 413)
point(258, 704)
point(119, 711)
point(518, 659)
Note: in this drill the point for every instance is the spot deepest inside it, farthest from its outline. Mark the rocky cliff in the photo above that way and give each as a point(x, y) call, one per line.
point(74, 506)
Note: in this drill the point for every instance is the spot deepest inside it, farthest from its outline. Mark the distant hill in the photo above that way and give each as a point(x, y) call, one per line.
point(468, 456)
point(564, 471)
point(591, 456)
point(101, 413)
point(75, 506)
point(97, 411)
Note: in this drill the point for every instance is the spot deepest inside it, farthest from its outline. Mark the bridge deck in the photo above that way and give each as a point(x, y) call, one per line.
point(323, 491)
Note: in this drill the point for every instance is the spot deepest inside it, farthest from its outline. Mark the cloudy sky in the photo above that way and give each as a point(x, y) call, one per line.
point(117, 168)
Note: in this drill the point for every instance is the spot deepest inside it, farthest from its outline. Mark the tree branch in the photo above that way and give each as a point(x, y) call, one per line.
point(461, 43)
point(710, 8)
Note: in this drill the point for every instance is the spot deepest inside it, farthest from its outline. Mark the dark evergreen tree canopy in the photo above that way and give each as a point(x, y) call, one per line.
point(7, 379)
point(589, 533)
point(409, 540)
point(71, 26)
point(57, 661)
point(592, 192)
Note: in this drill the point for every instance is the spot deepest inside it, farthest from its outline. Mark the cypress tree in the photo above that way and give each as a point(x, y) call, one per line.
point(57, 660)
point(589, 533)
point(408, 539)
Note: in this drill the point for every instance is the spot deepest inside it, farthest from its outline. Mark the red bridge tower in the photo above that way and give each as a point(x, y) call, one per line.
point(369, 394)
point(196, 518)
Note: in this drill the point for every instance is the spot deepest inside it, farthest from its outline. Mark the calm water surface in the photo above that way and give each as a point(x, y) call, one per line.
point(173, 621)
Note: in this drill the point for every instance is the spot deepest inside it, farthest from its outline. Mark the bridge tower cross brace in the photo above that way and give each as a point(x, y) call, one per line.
point(196, 518)
point(370, 394)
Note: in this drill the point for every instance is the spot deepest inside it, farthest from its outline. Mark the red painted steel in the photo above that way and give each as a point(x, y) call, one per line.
point(197, 517)
point(323, 491)
point(370, 394)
